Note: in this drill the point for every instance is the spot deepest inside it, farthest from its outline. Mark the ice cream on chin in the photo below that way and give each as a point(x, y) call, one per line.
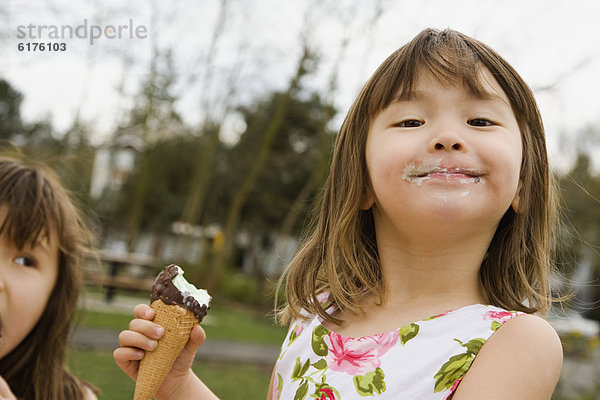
point(178, 307)
point(171, 287)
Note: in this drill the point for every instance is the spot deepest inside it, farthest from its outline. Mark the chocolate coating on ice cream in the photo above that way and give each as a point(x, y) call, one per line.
point(164, 289)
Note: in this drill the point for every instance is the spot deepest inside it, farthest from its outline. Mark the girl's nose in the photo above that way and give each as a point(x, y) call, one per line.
point(447, 141)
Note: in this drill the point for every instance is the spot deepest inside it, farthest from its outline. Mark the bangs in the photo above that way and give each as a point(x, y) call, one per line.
point(449, 57)
point(31, 215)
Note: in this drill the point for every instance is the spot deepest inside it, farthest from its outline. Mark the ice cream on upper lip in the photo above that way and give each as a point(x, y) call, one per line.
point(420, 173)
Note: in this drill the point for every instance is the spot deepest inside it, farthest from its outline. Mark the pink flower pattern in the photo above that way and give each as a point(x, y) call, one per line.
point(323, 297)
point(356, 356)
point(439, 315)
point(326, 394)
point(452, 389)
point(298, 329)
point(500, 316)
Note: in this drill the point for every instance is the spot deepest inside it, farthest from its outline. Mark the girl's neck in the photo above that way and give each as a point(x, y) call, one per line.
point(432, 271)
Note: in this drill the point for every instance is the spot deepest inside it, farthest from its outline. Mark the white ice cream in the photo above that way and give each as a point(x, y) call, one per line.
point(187, 289)
point(421, 173)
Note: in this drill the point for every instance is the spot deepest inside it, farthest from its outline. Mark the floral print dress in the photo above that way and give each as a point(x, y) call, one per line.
point(423, 360)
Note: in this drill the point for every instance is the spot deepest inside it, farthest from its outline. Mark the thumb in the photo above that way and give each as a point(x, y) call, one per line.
point(197, 337)
point(184, 361)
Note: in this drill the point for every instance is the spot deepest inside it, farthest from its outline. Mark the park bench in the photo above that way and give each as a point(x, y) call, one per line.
point(121, 270)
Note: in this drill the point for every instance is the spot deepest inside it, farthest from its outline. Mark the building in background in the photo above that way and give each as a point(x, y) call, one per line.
point(114, 162)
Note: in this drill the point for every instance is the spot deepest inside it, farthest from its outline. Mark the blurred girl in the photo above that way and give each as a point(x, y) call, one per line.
point(42, 242)
point(431, 246)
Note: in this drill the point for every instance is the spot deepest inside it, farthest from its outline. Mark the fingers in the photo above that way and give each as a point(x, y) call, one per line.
point(5, 392)
point(143, 311)
point(124, 355)
point(148, 328)
point(142, 333)
point(137, 340)
point(197, 337)
point(128, 359)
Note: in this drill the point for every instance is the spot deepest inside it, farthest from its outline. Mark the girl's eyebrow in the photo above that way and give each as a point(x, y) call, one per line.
point(412, 95)
point(491, 97)
point(42, 244)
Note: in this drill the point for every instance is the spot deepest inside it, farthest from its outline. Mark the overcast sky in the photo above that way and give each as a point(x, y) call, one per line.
point(554, 44)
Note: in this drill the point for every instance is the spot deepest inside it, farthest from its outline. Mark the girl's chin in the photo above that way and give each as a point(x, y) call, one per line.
point(452, 208)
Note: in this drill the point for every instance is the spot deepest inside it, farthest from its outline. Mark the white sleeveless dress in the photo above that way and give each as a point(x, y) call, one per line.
point(423, 360)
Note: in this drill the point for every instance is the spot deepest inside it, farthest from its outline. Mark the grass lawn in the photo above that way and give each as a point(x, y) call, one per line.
point(222, 323)
point(227, 380)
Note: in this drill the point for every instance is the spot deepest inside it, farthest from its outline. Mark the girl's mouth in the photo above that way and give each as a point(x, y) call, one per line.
point(421, 173)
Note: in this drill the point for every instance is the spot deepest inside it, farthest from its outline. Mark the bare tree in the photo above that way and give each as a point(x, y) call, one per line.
point(241, 195)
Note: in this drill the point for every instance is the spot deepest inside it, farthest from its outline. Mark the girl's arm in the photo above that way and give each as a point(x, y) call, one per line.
point(181, 382)
point(522, 360)
point(270, 389)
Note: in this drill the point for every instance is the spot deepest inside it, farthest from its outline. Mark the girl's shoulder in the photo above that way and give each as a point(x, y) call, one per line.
point(525, 351)
point(88, 394)
point(531, 334)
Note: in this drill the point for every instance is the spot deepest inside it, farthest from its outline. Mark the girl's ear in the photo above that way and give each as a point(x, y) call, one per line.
point(515, 202)
point(367, 200)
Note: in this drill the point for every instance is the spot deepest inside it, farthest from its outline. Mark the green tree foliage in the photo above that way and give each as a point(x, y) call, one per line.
point(294, 155)
point(153, 119)
point(167, 164)
point(270, 163)
point(299, 146)
point(10, 110)
point(580, 191)
point(290, 164)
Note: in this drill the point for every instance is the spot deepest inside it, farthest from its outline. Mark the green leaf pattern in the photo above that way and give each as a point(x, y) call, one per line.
point(457, 366)
point(318, 344)
point(370, 384)
point(408, 332)
point(496, 325)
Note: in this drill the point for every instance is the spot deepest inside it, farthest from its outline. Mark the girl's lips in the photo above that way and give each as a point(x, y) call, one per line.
point(419, 174)
point(465, 172)
point(451, 176)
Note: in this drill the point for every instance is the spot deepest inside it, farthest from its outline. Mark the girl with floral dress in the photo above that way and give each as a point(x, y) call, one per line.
point(429, 256)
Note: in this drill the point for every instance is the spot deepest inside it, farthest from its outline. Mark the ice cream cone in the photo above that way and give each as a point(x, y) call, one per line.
point(154, 367)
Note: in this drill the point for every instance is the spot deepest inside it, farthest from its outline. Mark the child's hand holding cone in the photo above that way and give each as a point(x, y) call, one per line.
point(142, 328)
point(176, 309)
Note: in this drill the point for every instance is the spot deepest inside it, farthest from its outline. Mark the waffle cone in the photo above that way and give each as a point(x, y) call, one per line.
point(154, 367)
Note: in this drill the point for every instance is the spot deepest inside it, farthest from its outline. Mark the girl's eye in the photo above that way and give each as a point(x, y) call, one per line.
point(410, 123)
point(25, 261)
point(480, 122)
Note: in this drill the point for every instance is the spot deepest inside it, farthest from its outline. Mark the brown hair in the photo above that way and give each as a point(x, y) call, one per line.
point(340, 255)
point(39, 206)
